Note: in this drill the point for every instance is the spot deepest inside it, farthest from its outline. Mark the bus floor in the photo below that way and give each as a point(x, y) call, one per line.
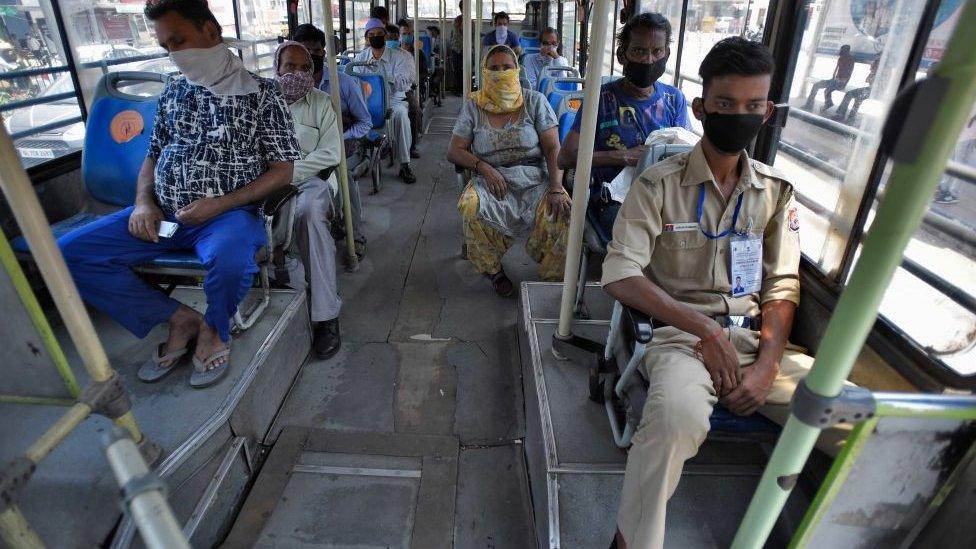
point(429, 366)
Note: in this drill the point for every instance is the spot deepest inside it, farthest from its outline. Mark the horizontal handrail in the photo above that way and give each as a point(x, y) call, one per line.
point(113, 62)
point(41, 129)
point(41, 100)
point(37, 71)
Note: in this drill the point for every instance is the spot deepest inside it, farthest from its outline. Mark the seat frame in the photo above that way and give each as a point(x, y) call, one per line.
point(374, 150)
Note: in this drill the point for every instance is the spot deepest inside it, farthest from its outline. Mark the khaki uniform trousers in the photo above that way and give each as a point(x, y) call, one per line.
point(674, 424)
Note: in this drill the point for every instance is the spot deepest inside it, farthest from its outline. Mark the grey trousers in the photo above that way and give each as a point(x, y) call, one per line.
point(317, 250)
point(400, 132)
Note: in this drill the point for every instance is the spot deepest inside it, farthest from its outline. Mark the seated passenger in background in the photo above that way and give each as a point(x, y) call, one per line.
point(630, 109)
point(508, 137)
point(691, 224)
point(548, 56)
point(317, 128)
point(356, 122)
point(398, 69)
point(405, 37)
point(502, 35)
point(223, 140)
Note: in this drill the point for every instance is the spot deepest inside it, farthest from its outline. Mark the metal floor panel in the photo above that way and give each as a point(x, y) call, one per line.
point(182, 420)
point(339, 489)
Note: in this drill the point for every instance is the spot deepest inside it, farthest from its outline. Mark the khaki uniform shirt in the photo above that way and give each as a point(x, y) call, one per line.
point(688, 265)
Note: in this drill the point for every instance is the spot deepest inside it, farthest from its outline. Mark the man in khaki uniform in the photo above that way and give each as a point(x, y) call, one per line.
point(689, 226)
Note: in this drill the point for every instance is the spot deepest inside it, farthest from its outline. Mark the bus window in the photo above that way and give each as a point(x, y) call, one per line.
point(937, 279)
point(262, 22)
point(570, 30)
point(847, 72)
point(706, 23)
point(671, 9)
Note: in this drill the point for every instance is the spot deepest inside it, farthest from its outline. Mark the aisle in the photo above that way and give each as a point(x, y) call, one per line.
point(429, 349)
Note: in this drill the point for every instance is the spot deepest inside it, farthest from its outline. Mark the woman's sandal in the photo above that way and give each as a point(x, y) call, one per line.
point(153, 370)
point(502, 285)
point(205, 376)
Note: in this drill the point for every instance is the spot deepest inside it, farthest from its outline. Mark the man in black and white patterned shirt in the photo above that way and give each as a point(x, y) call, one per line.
point(223, 140)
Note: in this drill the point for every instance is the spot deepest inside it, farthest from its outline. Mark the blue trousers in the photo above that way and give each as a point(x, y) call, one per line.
point(101, 255)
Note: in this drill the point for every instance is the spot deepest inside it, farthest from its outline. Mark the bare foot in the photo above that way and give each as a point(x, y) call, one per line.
point(208, 343)
point(183, 327)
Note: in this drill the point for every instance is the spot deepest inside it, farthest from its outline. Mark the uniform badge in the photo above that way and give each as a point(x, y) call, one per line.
point(794, 219)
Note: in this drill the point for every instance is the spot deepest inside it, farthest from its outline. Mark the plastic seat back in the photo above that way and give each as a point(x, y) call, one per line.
point(428, 45)
point(657, 153)
point(569, 105)
point(555, 95)
point(526, 42)
point(117, 135)
point(568, 81)
point(375, 91)
point(530, 34)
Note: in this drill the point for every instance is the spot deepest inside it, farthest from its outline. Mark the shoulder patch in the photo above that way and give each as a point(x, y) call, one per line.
point(771, 172)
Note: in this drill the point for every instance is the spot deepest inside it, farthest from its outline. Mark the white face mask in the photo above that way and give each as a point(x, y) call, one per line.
point(501, 32)
point(216, 69)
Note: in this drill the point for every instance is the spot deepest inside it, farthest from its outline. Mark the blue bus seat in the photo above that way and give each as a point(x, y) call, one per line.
point(116, 140)
point(569, 105)
point(550, 73)
point(526, 42)
point(554, 95)
point(377, 95)
point(428, 47)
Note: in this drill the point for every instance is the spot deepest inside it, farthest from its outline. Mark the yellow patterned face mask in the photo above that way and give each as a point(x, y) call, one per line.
point(501, 91)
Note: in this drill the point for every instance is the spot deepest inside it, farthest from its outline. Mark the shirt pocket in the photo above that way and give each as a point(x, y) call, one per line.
point(682, 254)
point(308, 137)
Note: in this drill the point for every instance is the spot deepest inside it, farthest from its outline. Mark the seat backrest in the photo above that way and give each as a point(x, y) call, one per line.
point(657, 153)
point(530, 34)
point(530, 50)
point(529, 42)
point(117, 136)
point(428, 45)
point(562, 83)
point(375, 91)
point(569, 105)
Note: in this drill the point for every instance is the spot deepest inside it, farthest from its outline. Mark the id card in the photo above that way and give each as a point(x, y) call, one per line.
point(167, 228)
point(746, 264)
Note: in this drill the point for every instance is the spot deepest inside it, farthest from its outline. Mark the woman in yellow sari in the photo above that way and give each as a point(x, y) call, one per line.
point(507, 136)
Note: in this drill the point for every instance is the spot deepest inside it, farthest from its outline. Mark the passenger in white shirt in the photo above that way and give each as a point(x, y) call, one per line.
point(548, 56)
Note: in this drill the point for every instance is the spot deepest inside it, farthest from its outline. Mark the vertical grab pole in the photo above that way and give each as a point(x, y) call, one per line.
point(466, 50)
point(443, 14)
point(417, 46)
point(352, 264)
point(30, 217)
point(936, 118)
point(479, 7)
point(591, 96)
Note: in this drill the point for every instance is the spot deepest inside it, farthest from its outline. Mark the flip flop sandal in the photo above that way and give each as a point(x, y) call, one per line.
point(153, 370)
point(204, 377)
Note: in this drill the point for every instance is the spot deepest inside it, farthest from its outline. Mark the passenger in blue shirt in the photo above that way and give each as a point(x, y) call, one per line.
point(630, 109)
point(502, 34)
point(356, 122)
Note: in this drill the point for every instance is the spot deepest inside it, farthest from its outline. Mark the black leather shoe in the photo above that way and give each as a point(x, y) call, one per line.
point(326, 339)
point(406, 174)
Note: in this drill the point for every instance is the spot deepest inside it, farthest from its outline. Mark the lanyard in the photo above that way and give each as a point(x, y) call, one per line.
point(735, 214)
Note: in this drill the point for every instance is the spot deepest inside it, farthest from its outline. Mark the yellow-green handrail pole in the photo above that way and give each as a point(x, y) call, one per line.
point(466, 50)
point(591, 96)
point(30, 216)
point(352, 264)
point(906, 200)
point(479, 7)
point(16, 532)
point(36, 314)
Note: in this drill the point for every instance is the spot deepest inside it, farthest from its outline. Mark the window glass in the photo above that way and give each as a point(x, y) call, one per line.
point(708, 22)
point(262, 22)
point(33, 67)
point(570, 30)
point(357, 13)
point(849, 66)
point(933, 293)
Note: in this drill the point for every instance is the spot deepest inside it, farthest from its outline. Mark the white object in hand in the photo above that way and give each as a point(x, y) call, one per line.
point(167, 228)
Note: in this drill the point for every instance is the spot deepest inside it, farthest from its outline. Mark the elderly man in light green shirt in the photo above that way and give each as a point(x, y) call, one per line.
point(319, 135)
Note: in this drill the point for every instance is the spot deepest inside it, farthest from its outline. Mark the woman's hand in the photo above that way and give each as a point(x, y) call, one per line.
point(558, 202)
point(493, 180)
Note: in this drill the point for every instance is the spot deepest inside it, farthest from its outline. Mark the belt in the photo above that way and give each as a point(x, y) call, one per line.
point(727, 321)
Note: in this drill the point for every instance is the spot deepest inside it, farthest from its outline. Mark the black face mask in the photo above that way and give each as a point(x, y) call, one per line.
point(644, 75)
point(318, 61)
point(377, 42)
point(731, 133)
